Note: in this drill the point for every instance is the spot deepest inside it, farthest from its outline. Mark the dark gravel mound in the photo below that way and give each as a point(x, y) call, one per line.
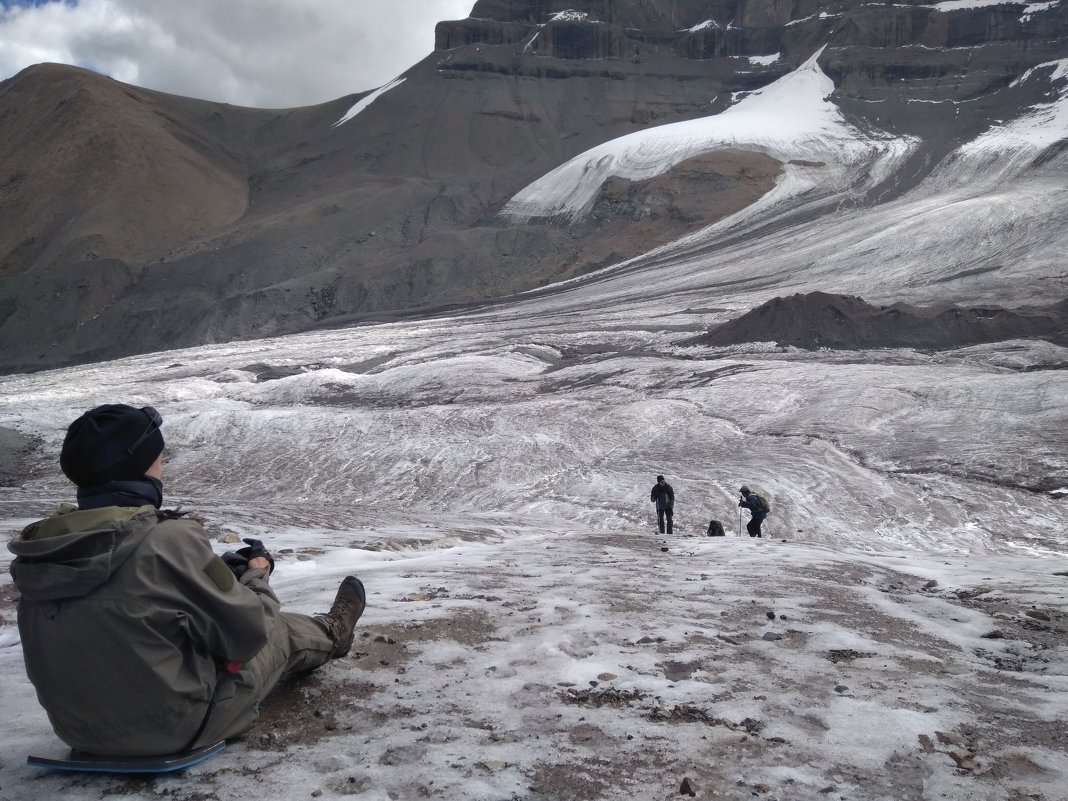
point(823, 320)
point(16, 451)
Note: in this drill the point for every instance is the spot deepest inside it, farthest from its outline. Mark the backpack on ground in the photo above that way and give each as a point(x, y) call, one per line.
point(715, 529)
point(765, 504)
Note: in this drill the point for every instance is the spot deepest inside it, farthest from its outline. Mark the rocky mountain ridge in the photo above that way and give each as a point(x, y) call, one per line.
point(136, 221)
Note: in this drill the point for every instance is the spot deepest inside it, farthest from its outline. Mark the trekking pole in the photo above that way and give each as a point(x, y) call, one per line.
point(739, 521)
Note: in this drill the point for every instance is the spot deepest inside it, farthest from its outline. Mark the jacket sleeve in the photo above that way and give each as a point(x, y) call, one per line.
point(257, 581)
point(222, 616)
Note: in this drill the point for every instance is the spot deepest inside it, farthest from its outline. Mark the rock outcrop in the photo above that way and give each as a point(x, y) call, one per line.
point(823, 320)
point(17, 465)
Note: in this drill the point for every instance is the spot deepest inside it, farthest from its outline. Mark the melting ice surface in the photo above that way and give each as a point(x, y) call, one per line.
point(529, 635)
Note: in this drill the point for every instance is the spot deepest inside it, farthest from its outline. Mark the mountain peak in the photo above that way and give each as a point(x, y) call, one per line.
point(604, 132)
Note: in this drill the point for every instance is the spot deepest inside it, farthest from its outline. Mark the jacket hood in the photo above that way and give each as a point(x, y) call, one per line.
point(73, 552)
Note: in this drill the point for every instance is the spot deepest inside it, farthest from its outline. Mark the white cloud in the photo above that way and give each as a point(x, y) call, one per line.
point(265, 53)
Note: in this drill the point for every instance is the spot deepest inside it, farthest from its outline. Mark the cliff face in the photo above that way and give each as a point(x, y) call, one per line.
point(875, 53)
point(132, 221)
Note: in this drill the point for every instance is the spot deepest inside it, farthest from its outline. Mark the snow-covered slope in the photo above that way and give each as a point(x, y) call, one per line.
point(987, 224)
point(791, 120)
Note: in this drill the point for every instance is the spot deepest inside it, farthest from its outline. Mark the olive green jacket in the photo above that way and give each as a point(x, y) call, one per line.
point(128, 619)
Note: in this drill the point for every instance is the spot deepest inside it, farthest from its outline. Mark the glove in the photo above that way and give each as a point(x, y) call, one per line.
point(255, 550)
point(237, 563)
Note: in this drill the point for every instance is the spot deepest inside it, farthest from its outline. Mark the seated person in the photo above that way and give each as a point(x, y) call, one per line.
point(138, 639)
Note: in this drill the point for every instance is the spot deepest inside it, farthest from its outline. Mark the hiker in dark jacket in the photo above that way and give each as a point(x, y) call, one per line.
point(138, 639)
point(664, 498)
point(750, 501)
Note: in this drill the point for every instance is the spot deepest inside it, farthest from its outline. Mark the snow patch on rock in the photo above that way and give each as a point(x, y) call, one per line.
point(764, 61)
point(792, 120)
point(364, 102)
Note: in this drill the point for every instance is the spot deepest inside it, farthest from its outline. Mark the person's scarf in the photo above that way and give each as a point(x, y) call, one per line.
point(138, 492)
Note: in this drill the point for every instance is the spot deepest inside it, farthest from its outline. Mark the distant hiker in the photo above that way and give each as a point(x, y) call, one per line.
point(664, 498)
point(138, 639)
point(758, 508)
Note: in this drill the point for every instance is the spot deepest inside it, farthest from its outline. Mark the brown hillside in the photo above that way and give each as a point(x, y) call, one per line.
point(97, 169)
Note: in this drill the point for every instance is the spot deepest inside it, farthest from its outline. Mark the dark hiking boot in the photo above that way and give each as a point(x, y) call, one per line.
point(339, 622)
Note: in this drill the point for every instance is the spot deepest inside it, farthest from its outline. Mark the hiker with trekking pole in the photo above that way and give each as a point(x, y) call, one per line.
point(758, 507)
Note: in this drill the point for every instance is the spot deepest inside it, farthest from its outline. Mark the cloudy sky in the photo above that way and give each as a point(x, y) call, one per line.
point(264, 53)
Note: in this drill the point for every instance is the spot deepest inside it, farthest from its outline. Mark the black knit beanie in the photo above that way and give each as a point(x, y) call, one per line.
point(111, 443)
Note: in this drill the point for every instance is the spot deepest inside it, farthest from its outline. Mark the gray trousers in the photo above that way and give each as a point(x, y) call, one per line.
point(662, 513)
point(297, 643)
